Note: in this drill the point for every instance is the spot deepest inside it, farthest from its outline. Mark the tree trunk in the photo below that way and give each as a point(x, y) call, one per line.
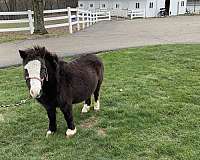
point(38, 8)
point(12, 6)
point(71, 3)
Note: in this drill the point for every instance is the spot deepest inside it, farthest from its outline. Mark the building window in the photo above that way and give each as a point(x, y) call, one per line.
point(137, 5)
point(81, 5)
point(91, 5)
point(182, 3)
point(151, 5)
point(103, 6)
point(117, 6)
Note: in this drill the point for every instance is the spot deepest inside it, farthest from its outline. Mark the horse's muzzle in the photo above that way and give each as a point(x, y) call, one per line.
point(35, 93)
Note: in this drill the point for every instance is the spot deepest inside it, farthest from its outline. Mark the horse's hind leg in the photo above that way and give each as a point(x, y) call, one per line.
point(86, 106)
point(96, 98)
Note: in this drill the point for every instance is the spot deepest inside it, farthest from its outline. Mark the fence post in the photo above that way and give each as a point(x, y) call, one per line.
point(83, 20)
point(109, 15)
point(88, 19)
point(89, 13)
point(77, 17)
point(144, 14)
point(95, 17)
point(70, 20)
point(30, 21)
point(131, 14)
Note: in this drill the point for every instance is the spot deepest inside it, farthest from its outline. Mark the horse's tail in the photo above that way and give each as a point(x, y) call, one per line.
point(99, 69)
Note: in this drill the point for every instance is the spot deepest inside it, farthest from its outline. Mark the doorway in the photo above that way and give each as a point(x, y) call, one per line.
point(167, 6)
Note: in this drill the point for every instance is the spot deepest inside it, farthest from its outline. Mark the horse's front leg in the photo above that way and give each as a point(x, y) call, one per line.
point(52, 121)
point(67, 111)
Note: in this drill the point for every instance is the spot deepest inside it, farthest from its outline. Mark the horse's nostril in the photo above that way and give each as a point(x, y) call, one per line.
point(31, 92)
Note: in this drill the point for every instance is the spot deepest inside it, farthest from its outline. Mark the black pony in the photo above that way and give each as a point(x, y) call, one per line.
point(56, 83)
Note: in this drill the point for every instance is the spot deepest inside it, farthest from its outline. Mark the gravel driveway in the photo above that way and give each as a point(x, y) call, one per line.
point(111, 35)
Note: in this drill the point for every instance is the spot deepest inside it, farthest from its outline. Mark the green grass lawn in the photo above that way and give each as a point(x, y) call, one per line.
point(23, 35)
point(155, 116)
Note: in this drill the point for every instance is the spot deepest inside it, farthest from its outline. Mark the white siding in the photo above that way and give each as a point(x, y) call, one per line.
point(132, 4)
point(157, 4)
point(87, 4)
point(126, 5)
point(176, 8)
point(151, 12)
point(103, 4)
point(173, 7)
point(193, 7)
point(160, 4)
point(111, 4)
point(182, 8)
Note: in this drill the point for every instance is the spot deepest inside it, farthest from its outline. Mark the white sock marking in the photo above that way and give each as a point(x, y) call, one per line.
point(71, 132)
point(85, 108)
point(97, 106)
point(49, 133)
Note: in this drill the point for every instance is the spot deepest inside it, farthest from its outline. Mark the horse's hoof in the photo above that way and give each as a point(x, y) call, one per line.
point(49, 133)
point(70, 133)
point(96, 110)
point(85, 108)
point(97, 106)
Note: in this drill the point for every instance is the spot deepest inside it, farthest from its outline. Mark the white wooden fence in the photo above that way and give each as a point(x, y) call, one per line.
point(74, 16)
point(120, 13)
point(137, 13)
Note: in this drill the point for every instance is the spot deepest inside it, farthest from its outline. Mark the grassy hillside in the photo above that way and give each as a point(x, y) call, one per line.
point(150, 109)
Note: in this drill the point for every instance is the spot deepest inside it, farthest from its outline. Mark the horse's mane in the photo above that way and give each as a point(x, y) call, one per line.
point(43, 53)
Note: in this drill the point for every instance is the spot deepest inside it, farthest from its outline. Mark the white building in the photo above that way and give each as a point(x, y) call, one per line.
point(151, 8)
point(193, 6)
point(177, 7)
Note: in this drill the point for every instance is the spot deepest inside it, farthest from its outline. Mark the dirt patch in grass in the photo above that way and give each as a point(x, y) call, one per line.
point(89, 123)
point(101, 132)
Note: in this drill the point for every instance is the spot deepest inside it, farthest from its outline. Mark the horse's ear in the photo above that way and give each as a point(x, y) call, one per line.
point(55, 60)
point(23, 54)
point(43, 49)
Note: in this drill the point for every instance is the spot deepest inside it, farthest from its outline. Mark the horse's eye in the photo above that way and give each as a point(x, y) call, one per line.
point(26, 72)
point(43, 70)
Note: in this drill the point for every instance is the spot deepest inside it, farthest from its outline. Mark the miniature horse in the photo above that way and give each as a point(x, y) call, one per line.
point(54, 82)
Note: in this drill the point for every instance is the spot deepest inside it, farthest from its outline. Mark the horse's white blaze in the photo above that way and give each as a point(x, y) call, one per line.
point(97, 105)
point(85, 108)
point(70, 132)
point(33, 68)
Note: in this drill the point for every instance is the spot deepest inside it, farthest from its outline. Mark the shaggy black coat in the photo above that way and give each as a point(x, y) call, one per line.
point(67, 83)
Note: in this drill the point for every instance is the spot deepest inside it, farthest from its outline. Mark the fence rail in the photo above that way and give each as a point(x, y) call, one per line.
point(74, 16)
point(137, 13)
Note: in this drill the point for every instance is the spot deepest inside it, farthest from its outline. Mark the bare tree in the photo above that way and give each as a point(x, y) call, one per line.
point(12, 4)
point(7, 6)
point(57, 4)
point(38, 8)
